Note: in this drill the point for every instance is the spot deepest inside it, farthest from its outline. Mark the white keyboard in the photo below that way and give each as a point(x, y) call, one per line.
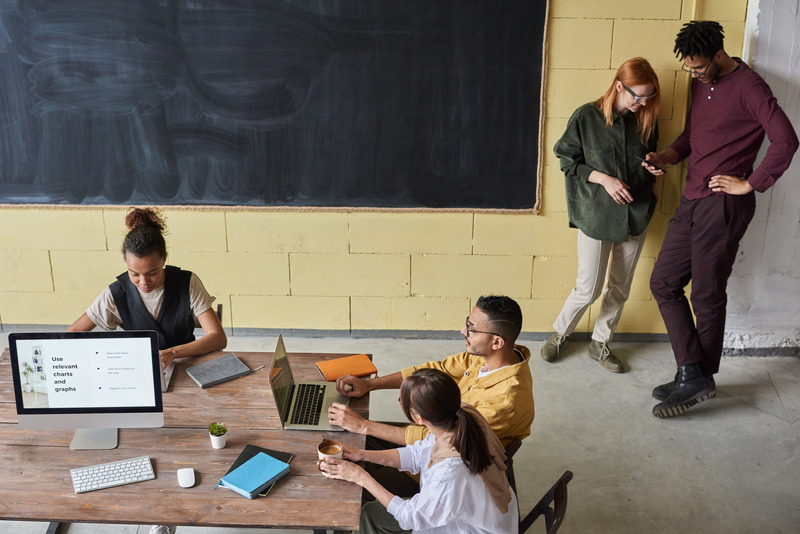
point(100, 476)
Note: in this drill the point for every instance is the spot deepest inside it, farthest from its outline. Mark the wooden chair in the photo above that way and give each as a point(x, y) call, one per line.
point(512, 448)
point(553, 515)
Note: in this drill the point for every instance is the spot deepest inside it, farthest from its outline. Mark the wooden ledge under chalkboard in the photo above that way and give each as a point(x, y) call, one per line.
point(297, 209)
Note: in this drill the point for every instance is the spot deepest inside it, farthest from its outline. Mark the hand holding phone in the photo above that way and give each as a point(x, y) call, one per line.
point(656, 167)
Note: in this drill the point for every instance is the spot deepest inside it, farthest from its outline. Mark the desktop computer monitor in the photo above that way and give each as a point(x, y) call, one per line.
point(93, 382)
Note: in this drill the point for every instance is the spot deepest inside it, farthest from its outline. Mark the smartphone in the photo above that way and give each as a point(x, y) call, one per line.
point(656, 167)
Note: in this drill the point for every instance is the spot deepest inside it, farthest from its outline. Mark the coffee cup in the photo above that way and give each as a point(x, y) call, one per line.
point(328, 448)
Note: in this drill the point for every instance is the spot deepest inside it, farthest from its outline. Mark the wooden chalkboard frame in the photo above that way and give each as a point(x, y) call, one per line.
point(268, 105)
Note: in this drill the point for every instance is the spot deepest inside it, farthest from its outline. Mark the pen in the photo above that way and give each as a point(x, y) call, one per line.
point(256, 369)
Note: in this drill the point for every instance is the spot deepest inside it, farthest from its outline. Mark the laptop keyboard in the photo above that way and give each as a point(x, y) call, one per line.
point(308, 404)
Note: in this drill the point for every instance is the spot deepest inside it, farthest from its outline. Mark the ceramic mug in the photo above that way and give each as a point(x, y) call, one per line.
point(328, 448)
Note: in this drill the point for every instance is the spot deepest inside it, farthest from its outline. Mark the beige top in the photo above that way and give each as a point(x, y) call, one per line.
point(103, 311)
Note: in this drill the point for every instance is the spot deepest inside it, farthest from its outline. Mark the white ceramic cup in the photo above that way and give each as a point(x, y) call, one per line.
point(328, 448)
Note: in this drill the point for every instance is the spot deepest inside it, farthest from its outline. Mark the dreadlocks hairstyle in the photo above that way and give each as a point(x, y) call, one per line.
point(635, 71)
point(699, 38)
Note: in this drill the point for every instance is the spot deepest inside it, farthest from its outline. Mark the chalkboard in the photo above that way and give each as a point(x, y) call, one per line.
point(362, 103)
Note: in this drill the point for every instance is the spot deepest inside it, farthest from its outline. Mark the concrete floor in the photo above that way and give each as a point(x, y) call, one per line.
point(729, 465)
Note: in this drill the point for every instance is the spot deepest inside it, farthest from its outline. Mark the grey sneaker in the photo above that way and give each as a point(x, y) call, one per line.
point(551, 347)
point(602, 353)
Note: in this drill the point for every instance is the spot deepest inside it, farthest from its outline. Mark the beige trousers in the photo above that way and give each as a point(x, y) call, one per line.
point(593, 262)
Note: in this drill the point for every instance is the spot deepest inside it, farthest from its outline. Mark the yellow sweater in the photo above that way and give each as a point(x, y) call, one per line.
point(504, 397)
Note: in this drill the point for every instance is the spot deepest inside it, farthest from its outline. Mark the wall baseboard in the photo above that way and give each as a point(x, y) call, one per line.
point(437, 334)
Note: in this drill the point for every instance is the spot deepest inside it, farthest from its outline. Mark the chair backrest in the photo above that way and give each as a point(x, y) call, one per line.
point(512, 448)
point(553, 516)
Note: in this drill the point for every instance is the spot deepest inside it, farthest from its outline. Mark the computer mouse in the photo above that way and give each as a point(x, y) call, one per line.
point(186, 477)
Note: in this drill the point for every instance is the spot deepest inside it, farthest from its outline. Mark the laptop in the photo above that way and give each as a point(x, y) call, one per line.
point(166, 374)
point(303, 404)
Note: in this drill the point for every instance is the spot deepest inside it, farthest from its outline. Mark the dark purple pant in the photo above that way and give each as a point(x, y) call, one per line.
point(700, 246)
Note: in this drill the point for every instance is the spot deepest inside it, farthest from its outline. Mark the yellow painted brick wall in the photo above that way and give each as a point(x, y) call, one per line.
point(287, 232)
point(386, 271)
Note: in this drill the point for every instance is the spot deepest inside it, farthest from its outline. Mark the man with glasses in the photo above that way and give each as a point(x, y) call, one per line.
point(732, 111)
point(492, 374)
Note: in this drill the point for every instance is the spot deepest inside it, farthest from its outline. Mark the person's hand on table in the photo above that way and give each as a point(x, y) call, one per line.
point(345, 417)
point(167, 356)
point(732, 185)
point(351, 386)
point(343, 470)
point(354, 455)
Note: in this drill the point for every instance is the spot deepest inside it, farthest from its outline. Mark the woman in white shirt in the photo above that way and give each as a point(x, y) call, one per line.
point(463, 484)
point(150, 296)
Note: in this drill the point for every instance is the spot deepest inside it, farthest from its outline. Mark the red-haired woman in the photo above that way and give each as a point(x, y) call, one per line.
point(610, 199)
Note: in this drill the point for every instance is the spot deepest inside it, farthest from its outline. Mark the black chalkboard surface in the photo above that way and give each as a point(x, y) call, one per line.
point(362, 103)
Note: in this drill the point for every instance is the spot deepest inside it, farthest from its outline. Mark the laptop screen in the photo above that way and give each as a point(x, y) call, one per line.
point(281, 380)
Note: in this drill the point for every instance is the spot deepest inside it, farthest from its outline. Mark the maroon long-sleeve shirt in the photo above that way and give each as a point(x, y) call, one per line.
point(726, 126)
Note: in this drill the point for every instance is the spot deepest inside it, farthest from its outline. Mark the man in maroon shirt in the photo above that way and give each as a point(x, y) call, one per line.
point(732, 110)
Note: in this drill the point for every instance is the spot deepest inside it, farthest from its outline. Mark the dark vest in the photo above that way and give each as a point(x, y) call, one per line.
point(175, 323)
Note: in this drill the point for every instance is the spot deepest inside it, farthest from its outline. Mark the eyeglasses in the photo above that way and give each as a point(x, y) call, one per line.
point(695, 70)
point(471, 331)
point(637, 98)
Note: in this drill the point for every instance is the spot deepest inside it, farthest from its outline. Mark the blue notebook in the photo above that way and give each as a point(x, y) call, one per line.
point(253, 476)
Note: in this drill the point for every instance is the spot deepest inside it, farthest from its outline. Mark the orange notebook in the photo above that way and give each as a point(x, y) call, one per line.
point(357, 365)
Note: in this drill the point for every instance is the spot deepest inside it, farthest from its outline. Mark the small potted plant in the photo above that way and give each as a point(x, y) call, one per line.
point(218, 433)
point(27, 371)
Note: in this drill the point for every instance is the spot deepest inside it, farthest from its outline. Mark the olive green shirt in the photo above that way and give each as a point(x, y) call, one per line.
point(590, 144)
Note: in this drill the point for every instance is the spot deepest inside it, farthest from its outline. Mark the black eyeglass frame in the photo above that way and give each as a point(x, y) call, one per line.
point(637, 98)
point(470, 331)
point(693, 70)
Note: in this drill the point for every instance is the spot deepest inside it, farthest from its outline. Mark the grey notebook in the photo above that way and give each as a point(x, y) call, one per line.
point(218, 371)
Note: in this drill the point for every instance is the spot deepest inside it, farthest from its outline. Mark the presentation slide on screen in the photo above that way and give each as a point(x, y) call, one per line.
point(96, 373)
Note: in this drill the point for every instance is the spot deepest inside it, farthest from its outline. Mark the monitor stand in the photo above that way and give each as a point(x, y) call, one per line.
point(94, 438)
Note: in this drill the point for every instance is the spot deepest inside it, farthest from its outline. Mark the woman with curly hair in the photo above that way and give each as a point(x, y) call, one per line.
point(152, 296)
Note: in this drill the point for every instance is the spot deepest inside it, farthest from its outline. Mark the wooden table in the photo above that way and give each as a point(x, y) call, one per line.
point(35, 483)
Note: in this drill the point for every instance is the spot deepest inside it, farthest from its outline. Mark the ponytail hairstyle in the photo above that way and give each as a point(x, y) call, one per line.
point(145, 236)
point(435, 397)
point(635, 71)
